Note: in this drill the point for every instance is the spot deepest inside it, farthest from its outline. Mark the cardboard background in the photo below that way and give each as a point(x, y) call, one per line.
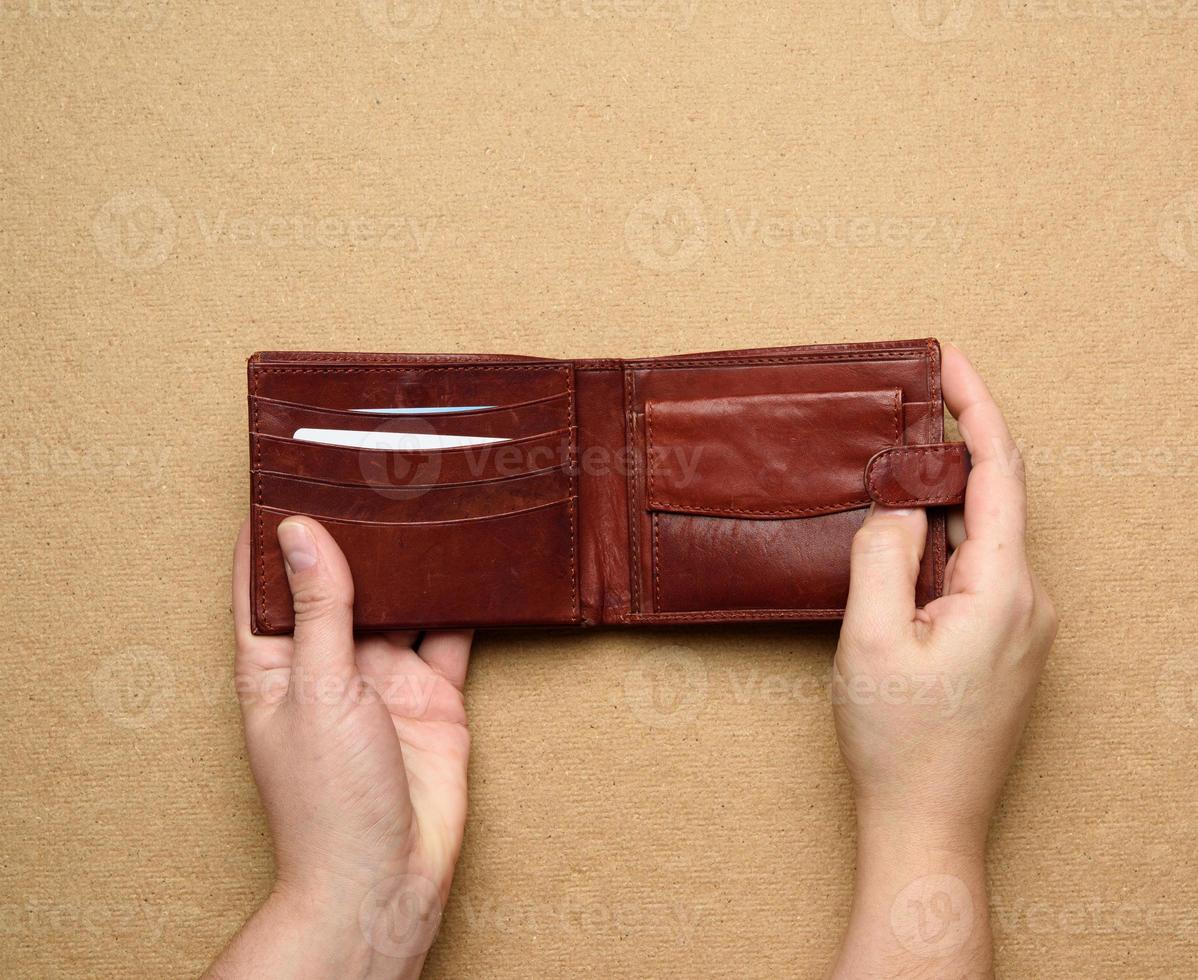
point(185, 183)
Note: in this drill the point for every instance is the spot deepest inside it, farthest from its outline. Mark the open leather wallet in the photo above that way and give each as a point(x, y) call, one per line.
point(488, 490)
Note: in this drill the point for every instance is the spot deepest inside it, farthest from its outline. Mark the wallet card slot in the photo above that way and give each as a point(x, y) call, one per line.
point(426, 503)
point(517, 568)
point(279, 418)
point(393, 468)
point(372, 386)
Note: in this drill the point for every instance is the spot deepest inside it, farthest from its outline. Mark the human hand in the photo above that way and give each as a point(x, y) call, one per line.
point(359, 749)
point(930, 704)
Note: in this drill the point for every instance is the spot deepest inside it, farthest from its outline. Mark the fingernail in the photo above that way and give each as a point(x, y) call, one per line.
point(299, 548)
point(900, 511)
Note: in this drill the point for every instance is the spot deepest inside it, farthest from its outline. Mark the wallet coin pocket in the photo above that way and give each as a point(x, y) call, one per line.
point(751, 499)
point(399, 468)
point(517, 568)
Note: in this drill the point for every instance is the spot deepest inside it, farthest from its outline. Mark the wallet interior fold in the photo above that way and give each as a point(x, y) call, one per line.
point(709, 487)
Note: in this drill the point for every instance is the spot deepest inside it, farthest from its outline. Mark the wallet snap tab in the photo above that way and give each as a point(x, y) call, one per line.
point(919, 476)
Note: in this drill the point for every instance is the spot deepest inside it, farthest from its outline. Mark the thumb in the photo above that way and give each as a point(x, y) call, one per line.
point(322, 593)
point(886, 554)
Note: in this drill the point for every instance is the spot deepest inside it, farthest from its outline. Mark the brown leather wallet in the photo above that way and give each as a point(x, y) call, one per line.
point(718, 487)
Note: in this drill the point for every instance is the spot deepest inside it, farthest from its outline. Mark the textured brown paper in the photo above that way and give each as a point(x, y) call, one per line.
point(185, 183)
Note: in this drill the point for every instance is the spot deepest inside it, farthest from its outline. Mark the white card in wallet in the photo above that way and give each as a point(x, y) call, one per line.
point(401, 441)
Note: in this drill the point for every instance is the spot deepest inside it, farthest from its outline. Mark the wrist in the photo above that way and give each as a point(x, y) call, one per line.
point(344, 933)
point(913, 836)
point(919, 900)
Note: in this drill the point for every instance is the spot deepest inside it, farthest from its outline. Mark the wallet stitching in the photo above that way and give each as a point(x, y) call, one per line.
point(879, 495)
point(262, 614)
point(797, 613)
point(634, 514)
point(933, 388)
point(304, 406)
point(904, 355)
point(443, 521)
point(824, 509)
point(656, 563)
point(573, 471)
point(376, 368)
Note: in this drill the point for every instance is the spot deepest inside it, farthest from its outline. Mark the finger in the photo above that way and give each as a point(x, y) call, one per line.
point(956, 527)
point(884, 567)
point(996, 496)
point(448, 653)
point(261, 663)
point(950, 571)
point(403, 639)
point(322, 594)
point(241, 589)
